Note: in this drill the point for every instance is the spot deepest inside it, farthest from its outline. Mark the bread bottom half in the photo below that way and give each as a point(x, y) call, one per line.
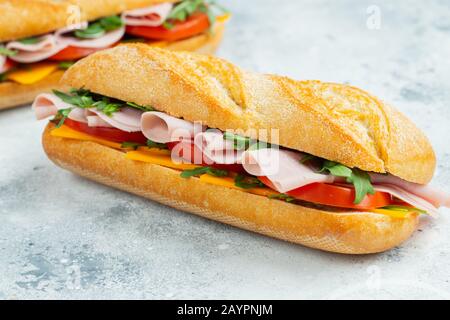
point(343, 232)
point(13, 94)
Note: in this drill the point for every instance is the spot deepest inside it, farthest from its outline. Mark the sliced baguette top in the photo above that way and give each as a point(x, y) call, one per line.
point(333, 121)
point(26, 18)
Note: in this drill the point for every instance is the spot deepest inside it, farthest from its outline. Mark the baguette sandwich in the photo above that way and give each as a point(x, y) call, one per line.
point(324, 165)
point(39, 39)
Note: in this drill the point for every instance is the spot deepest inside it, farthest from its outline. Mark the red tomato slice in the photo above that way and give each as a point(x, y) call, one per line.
point(111, 134)
point(75, 53)
point(336, 196)
point(229, 167)
point(9, 64)
point(195, 24)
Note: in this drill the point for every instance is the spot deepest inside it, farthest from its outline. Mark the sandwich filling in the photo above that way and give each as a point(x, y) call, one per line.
point(30, 60)
point(229, 159)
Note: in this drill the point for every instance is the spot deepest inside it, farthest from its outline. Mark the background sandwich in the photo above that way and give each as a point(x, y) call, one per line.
point(351, 172)
point(41, 38)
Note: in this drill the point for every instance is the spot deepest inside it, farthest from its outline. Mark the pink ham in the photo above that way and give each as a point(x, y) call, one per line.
point(46, 105)
point(29, 53)
point(408, 197)
point(282, 168)
point(216, 149)
point(147, 17)
point(436, 197)
point(88, 117)
point(127, 119)
point(104, 41)
point(3, 67)
point(162, 128)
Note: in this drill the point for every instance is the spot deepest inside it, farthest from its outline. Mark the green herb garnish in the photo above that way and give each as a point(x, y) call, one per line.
point(111, 23)
point(186, 8)
point(404, 209)
point(247, 182)
point(99, 28)
point(240, 142)
point(360, 179)
point(64, 65)
point(7, 52)
point(140, 107)
point(131, 145)
point(62, 116)
point(30, 40)
point(282, 196)
point(153, 144)
point(107, 106)
point(202, 170)
point(80, 99)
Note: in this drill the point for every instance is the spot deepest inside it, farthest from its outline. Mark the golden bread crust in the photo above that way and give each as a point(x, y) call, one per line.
point(345, 232)
point(26, 18)
point(333, 121)
point(14, 94)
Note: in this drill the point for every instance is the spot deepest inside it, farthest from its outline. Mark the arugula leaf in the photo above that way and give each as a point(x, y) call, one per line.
point(282, 196)
point(361, 182)
point(99, 28)
point(63, 114)
point(7, 52)
point(130, 145)
point(404, 209)
point(82, 101)
point(107, 107)
point(111, 23)
point(247, 182)
point(30, 40)
point(153, 144)
point(360, 179)
point(93, 31)
point(140, 107)
point(186, 8)
point(64, 65)
point(240, 142)
point(202, 170)
point(336, 169)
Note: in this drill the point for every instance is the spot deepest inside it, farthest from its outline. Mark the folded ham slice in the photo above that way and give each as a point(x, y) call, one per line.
point(436, 197)
point(63, 37)
point(153, 16)
point(88, 117)
point(46, 105)
point(216, 149)
point(408, 197)
point(46, 47)
point(127, 119)
point(162, 128)
point(3, 67)
point(282, 168)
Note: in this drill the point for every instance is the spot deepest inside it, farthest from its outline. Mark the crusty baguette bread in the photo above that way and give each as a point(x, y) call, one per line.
point(13, 94)
point(26, 18)
point(333, 121)
point(343, 232)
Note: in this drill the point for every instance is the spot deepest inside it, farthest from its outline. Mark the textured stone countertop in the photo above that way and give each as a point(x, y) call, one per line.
point(62, 236)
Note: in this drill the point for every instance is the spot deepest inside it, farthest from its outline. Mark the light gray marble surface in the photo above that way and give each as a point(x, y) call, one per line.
point(62, 236)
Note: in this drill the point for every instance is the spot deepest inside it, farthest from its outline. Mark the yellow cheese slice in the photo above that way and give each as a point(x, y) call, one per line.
point(392, 213)
point(66, 132)
point(32, 73)
point(223, 18)
point(229, 183)
point(159, 159)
